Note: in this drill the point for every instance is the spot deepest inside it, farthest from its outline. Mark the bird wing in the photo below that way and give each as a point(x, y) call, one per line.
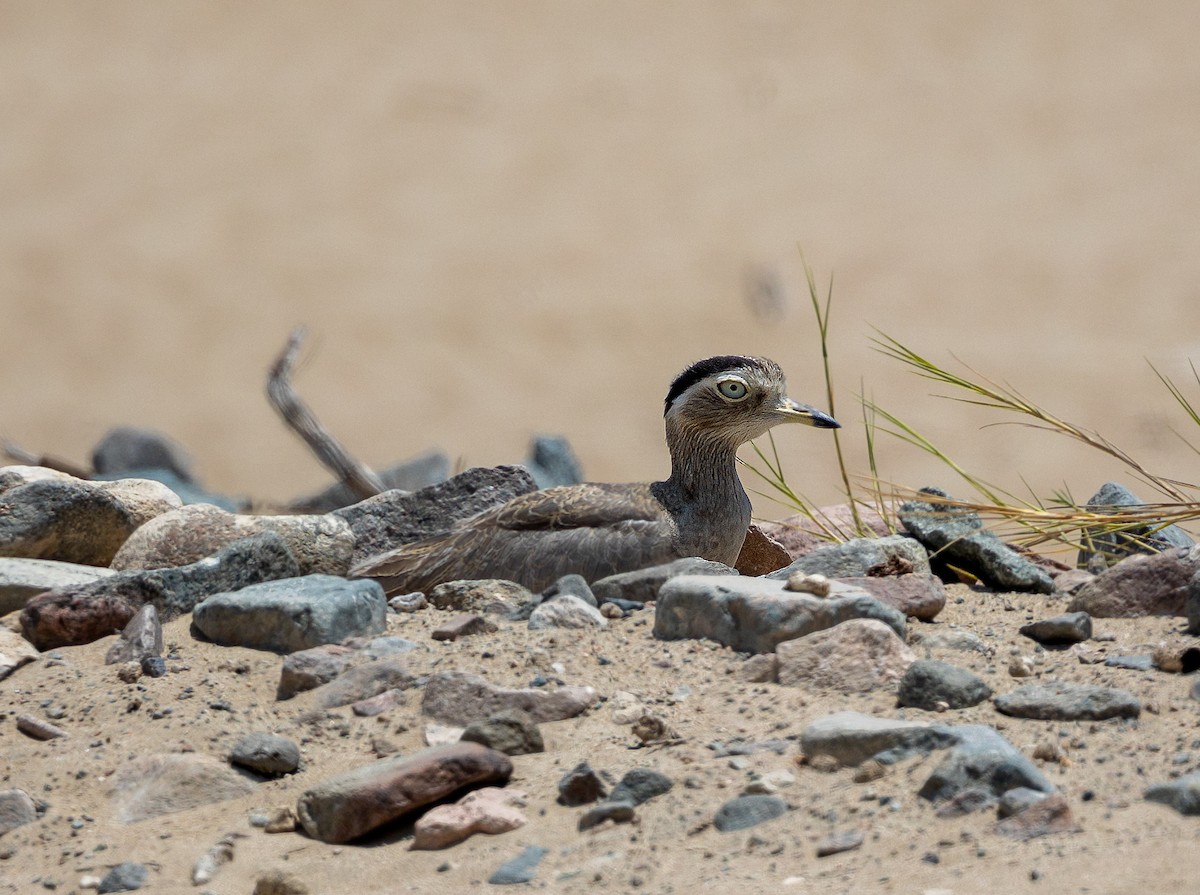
point(577, 506)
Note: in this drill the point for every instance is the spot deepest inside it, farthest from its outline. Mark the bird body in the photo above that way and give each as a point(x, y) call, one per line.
point(594, 530)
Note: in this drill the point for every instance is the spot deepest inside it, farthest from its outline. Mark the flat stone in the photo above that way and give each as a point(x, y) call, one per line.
point(349, 805)
point(1140, 585)
point(860, 558)
point(364, 681)
point(929, 684)
point(918, 595)
point(836, 843)
point(754, 615)
point(852, 737)
point(748, 811)
point(643, 585)
point(1182, 794)
point(639, 785)
point(22, 579)
point(980, 758)
point(1131, 663)
point(1068, 702)
point(456, 697)
point(465, 624)
point(491, 810)
point(153, 785)
point(1106, 548)
point(394, 518)
point(491, 595)
point(1072, 627)
point(293, 613)
point(761, 554)
point(567, 612)
point(1042, 818)
point(580, 786)
point(855, 656)
point(512, 732)
point(266, 754)
point(140, 639)
point(521, 869)
point(16, 809)
point(319, 544)
point(15, 651)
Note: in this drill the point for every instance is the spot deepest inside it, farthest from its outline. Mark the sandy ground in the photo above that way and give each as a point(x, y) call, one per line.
point(1126, 845)
point(506, 218)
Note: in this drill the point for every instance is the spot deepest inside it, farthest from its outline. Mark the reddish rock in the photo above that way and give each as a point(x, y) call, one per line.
point(68, 617)
point(853, 657)
point(1140, 585)
point(916, 595)
point(489, 810)
point(1045, 816)
point(349, 805)
point(761, 554)
point(378, 704)
point(463, 625)
point(310, 668)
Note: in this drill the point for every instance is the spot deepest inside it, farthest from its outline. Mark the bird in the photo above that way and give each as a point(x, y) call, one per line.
point(599, 529)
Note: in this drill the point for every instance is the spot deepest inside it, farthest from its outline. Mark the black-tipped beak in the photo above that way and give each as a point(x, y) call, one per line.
point(810, 416)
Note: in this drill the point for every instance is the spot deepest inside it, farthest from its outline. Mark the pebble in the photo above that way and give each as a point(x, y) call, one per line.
point(1140, 585)
point(640, 785)
point(125, 877)
point(266, 754)
point(566, 612)
point(580, 786)
point(511, 731)
point(608, 810)
point(835, 843)
point(929, 684)
point(493, 596)
point(748, 811)
point(1072, 627)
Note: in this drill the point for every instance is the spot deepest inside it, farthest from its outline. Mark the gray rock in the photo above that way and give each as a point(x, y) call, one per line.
point(127, 448)
point(1072, 627)
point(125, 877)
point(16, 810)
point(928, 683)
point(310, 668)
point(754, 615)
point(71, 616)
point(570, 586)
point(456, 697)
point(856, 656)
point(492, 595)
point(188, 492)
point(643, 585)
point(22, 579)
point(388, 520)
point(1106, 548)
point(140, 639)
point(1017, 800)
point(69, 520)
point(981, 758)
point(640, 785)
point(1192, 607)
point(428, 469)
point(852, 737)
point(1141, 585)
point(1131, 663)
point(512, 732)
point(960, 641)
point(566, 612)
point(551, 462)
point(293, 613)
point(958, 538)
point(580, 786)
point(364, 681)
point(153, 785)
point(859, 558)
point(1068, 702)
point(320, 544)
point(266, 754)
point(1182, 794)
point(521, 869)
point(617, 812)
point(748, 811)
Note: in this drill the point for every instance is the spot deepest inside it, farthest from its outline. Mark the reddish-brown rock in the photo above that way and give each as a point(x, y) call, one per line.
point(916, 595)
point(761, 554)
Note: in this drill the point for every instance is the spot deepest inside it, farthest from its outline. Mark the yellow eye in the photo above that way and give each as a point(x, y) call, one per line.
point(734, 389)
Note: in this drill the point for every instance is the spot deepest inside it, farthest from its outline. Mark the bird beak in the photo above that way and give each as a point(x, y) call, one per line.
point(795, 412)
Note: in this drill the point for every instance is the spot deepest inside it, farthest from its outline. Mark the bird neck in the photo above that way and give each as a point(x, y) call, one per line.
point(703, 468)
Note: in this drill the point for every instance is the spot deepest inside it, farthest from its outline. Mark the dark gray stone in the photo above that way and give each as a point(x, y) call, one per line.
point(293, 614)
point(755, 614)
point(68, 520)
point(580, 786)
point(22, 579)
point(1072, 627)
point(512, 732)
point(859, 557)
point(1102, 549)
point(640, 785)
point(643, 585)
point(617, 812)
point(266, 754)
point(141, 638)
point(125, 877)
point(430, 468)
point(153, 666)
point(981, 759)
point(551, 462)
point(852, 738)
point(958, 538)
point(570, 586)
point(310, 668)
point(928, 682)
point(1141, 585)
point(748, 811)
point(521, 869)
point(129, 448)
point(1068, 702)
point(1182, 794)
point(388, 520)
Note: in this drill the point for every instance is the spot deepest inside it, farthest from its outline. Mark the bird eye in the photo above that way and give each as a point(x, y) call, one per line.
point(734, 389)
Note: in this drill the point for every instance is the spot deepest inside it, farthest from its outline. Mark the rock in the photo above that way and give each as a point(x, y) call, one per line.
point(125, 877)
point(394, 518)
point(266, 754)
point(917, 595)
point(748, 811)
point(854, 657)
point(310, 668)
point(929, 683)
point(1106, 548)
point(456, 697)
point(39, 728)
point(1042, 818)
point(571, 586)
point(580, 786)
point(801, 534)
point(77, 615)
point(760, 669)
point(958, 538)
point(640, 785)
point(551, 462)
point(75, 521)
point(16, 810)
point(643, 585)
point(860, 557)
point(187, 492)
point(349, 805)
point(490, 810)
point(1070, 581)
point(836, 843)
point(1131, 663)
point(1174, 658)
point(512, 732)
point(1140, 585)
point(379, 703)
point(128, 448)
point(413, 602)
point(1068, 702)
point(521, 869)
point(566, 612)
point(420, 472)
point(1192, 606)
point(1182, 794)
point(491, 595)
point(761, 554)
point(981, 758)
point(293, 613)
point(852, 737)
point(966, 801)
point(1017, 800)
point(465, 624)
point(754, 615)
point(15, 651)
point(617, 812)
point(961, 641)
point(1073, 627)
point(140, 639)
point(153, 785)
point(365, 681)
point(279, 882)
point(320, 544)
point(21, 579)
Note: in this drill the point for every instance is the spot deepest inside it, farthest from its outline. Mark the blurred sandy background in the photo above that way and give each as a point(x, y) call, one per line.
point(503, 218)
